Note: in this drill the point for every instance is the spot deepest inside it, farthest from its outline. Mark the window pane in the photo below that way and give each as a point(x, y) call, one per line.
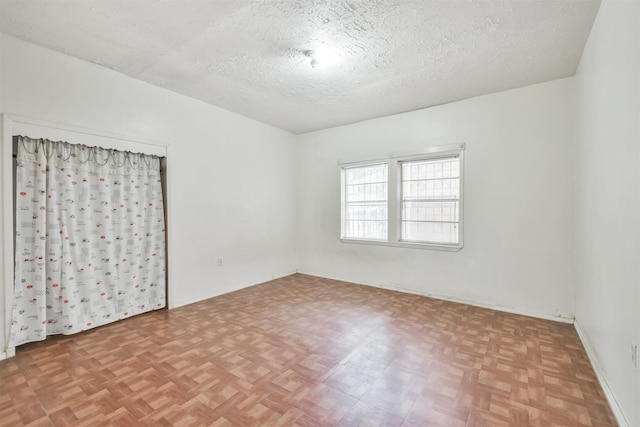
point(430, 211)
point(433, 232)
point(430, 198)
point(365, 195)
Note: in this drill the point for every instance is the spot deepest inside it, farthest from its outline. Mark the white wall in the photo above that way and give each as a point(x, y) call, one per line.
point(608, 199)
point(231, 179)
point(237, 186)
point(518, 201)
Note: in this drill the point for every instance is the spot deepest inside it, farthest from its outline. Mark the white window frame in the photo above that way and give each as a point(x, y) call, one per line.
point(343, 200)
point(394, 203)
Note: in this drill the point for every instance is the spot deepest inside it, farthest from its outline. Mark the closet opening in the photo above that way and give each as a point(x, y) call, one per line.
point(89, 237)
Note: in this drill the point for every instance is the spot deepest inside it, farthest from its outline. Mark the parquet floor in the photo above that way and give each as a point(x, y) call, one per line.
point(305, 351)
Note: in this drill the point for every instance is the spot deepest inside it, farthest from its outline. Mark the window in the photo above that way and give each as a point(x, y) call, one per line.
point(410, 200)
point(430, 200)
point(365, 202)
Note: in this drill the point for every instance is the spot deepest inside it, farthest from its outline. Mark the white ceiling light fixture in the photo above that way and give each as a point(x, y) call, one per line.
point(321, 57)
point(314, 59)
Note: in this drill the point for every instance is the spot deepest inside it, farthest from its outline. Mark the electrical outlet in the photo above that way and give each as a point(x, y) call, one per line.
point(219, 262)
point(634, 354)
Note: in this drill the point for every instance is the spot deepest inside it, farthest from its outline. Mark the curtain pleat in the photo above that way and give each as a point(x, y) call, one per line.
point(90, 240)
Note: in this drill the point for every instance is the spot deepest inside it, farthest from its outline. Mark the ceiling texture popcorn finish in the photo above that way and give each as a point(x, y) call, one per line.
point(374, 57)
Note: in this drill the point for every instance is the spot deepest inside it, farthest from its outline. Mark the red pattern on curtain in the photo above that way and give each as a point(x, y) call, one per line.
point(90, 240)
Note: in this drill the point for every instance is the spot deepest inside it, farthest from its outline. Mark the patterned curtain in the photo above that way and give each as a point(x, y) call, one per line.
point(90, 241)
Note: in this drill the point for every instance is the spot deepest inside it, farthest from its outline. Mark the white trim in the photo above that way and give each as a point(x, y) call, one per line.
point(497, 307)
point(394, 202)
point(343, 202)
point(6, 295)
point(353, 165)
point(401, 244)
point(172, 292)
point(611, 398)
point(440, 150)
point(405, 155)
point(363, 161)
point(343, 198)
point(35, 128)
point(394, 209)
point(250, 284)
point(10, 352)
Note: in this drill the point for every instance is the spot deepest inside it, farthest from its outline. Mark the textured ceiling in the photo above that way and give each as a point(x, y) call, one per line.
point(248, 56)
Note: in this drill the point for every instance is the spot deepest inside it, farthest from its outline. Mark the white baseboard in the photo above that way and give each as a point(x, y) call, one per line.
point(613, 403)
point(226, 291)
point(8, 353)
point(497, 307)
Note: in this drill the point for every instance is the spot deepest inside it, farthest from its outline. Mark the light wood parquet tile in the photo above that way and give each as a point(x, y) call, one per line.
point(305, 351)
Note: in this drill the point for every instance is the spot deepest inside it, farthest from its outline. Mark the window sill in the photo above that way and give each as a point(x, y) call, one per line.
point(430, 246)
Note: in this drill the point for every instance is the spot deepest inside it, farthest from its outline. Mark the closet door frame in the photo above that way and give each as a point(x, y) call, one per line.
point(35, 128)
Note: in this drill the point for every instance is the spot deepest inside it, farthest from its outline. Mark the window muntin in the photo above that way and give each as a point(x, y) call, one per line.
point(366, 202)
point(430, 200)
